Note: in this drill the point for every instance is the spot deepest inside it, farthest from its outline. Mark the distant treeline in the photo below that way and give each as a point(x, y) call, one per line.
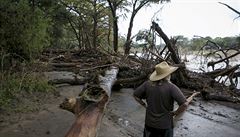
point(208, 42)
point(146, 38)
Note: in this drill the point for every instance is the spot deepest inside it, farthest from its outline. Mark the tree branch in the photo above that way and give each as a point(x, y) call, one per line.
point(231, 9)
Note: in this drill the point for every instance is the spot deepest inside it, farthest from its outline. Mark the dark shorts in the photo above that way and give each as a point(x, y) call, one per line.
point(154, 132)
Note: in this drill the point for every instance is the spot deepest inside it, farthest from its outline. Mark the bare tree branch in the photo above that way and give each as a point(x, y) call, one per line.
point(231, 9)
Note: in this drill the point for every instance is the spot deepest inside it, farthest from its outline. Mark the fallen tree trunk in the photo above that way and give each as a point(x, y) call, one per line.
point(90, 105)
point(65, 77)
point(62, 65)
point(131, 80)
point(222, 72)
point(222, 60)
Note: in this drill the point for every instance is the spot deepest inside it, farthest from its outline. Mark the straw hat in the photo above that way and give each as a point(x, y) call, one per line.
point(161, 71)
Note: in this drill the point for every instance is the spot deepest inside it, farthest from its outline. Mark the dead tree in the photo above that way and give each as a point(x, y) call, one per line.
point(181, 74)
point(200, 81)
point(224, 56)
point(222, 60)
point(90, 105)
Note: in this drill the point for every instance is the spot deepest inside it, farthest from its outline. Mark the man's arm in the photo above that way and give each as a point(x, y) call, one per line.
point(180, 109)
point(184, 106)
point(140, 101)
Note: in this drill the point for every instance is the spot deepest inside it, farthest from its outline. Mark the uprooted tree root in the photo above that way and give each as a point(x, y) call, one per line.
point(133, 71)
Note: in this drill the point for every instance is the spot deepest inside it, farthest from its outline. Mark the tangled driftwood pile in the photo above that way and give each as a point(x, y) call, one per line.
point(101, 70)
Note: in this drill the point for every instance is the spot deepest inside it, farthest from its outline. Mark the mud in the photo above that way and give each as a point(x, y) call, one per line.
point(49, 122)
point(202, 119)
point(125, 118)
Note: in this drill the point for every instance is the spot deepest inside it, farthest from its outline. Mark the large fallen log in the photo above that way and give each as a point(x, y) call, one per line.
point(65, 77)
point(90, 105)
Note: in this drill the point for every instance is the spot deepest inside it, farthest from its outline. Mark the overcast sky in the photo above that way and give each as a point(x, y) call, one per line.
point(189, 18)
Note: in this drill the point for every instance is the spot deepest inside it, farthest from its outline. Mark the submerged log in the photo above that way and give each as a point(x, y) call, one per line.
point(90, 105)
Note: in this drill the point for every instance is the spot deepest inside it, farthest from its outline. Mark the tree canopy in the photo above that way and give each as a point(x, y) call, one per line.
point(29, 26)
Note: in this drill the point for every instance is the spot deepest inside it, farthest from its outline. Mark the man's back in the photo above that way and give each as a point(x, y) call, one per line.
point(160, 98)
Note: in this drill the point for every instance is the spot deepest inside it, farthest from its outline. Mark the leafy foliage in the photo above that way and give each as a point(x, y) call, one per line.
point(23, 29)
point(88, 20)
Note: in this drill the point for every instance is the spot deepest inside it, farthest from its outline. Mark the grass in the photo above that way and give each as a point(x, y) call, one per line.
point(18, 87)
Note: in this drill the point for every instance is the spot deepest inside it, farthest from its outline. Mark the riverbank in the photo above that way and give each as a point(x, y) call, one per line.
point(125, 118)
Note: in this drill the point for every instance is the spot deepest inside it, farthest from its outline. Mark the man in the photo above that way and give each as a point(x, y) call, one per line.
point(160, 95)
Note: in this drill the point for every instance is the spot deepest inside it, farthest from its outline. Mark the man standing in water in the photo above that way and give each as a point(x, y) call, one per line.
point(160, 95)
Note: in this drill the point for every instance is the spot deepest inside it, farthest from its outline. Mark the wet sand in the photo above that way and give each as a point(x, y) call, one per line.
point(125, 118)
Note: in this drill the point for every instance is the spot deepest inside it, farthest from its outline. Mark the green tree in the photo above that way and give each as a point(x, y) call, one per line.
point(87, 18)
point(136, 6)
point(23, 32)
point(197, 43)
point(183, 43)
point(57, 13)
point(114, 5)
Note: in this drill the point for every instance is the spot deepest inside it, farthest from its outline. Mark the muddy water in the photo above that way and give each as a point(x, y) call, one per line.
point(124, 117)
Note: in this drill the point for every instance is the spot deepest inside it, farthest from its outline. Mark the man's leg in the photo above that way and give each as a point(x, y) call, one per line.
point(146, 133)
point(154, 132)
point(169, 132)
